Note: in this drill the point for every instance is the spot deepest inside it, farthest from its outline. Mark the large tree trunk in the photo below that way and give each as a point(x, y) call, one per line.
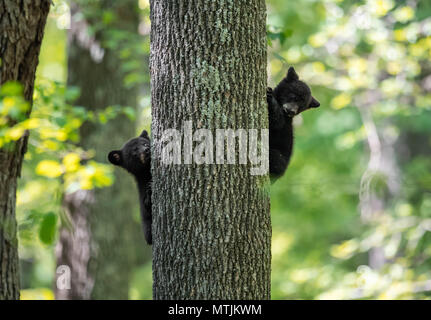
point(21, 31)
point(101, 249)
point(211, 223)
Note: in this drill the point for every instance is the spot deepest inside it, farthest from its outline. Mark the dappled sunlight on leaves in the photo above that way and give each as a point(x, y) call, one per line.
point(37, 294)
point(49, 168)
point(363, 56)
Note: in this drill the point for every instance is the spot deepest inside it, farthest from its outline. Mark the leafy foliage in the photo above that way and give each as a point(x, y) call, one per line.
point(349, 229)
point(54, 164)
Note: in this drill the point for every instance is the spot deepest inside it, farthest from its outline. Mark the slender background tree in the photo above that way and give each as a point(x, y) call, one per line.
point(211, 223)
point(104, 243)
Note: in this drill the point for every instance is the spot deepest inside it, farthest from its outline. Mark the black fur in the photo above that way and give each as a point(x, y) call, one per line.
point(289, 98)
point(135, 157)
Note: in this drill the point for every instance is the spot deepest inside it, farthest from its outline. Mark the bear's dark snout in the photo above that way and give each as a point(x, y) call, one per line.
point(314, 103)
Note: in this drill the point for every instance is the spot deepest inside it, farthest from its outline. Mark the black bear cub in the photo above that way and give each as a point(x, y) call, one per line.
point(289, 98)
point(135, 157)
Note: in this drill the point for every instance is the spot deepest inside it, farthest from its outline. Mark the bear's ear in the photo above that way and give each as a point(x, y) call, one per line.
point(115, 157)
point(144, 134)
point(292, 75)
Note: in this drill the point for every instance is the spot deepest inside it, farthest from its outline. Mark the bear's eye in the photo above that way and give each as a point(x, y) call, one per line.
point(293, 97)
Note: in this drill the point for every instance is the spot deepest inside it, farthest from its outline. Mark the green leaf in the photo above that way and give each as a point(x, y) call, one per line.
point(61, 121)
point(281, 35)
point(276, 55)
point(48, 228)
point(108, 17)
point(130, 113)
point(11, 88)
point(288, 33)
point(72, 93)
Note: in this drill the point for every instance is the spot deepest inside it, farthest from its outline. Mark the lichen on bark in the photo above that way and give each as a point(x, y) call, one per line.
point(211, 223)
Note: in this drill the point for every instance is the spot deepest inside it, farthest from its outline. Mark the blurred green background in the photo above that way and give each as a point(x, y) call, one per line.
point(352, 215)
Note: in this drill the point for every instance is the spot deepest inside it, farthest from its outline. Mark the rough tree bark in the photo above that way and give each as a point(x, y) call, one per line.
point(211, 223)
point(102, 247)
point(21, 31)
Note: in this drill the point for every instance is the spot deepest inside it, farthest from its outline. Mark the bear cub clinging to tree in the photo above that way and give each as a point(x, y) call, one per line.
point(135, 157)
point(288, 99)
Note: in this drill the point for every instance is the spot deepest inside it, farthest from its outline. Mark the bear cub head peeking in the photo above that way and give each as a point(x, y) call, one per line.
point(293, 95)
point(134, 156)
